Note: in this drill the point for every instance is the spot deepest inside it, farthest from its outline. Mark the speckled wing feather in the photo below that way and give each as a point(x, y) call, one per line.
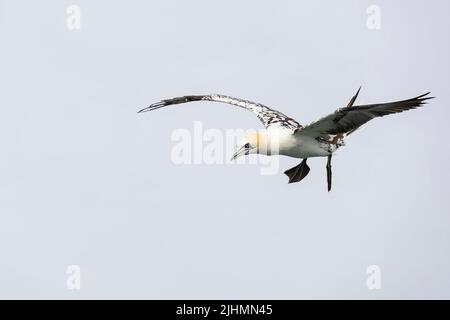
point(269, 117)
point(346, 120)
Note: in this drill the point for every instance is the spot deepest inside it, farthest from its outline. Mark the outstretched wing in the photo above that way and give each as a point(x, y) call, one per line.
point(346, 120)
point(269, 117)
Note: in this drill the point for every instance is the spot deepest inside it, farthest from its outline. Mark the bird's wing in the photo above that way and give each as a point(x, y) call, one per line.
point(346, 120)
point(269, 117)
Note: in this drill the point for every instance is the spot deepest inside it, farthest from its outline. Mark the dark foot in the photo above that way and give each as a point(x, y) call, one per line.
point(297, 173)
point(329, 173)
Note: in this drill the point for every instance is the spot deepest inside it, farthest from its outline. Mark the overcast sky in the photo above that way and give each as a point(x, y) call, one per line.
point(86, 181)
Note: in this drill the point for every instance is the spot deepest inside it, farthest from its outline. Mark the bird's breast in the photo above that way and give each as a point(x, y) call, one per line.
point(303, 147)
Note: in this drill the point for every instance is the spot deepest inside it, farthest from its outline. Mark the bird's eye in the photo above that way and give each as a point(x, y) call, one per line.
point(247, 145)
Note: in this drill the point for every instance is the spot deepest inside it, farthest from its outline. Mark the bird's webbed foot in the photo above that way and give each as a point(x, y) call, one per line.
point(298, 172)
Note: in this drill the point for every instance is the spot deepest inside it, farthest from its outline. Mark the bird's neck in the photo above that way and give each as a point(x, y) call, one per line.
point(268, 142)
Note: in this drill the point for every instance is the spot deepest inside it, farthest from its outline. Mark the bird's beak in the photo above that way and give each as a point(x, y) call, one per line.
point(241, 151)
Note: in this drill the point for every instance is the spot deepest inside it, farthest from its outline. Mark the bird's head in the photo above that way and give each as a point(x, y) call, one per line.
point(250, 144)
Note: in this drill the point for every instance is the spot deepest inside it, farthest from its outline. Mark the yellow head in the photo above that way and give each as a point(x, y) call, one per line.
point(255, 142)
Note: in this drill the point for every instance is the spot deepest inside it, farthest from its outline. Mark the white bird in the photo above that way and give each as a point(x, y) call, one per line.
point(285, 136)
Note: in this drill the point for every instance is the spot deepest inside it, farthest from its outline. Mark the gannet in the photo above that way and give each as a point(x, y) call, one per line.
point(285, 136)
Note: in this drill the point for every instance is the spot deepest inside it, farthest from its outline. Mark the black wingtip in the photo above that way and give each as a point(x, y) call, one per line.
point(357, 92)
point(154, 106)
point(423, 98)
point(423, 95)
point(353, 99)
point(145, 110)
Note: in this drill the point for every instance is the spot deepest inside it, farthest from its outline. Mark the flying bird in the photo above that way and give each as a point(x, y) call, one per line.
point(285, 136)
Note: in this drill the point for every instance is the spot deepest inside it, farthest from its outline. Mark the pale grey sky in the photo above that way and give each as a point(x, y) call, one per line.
point(86, 181)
